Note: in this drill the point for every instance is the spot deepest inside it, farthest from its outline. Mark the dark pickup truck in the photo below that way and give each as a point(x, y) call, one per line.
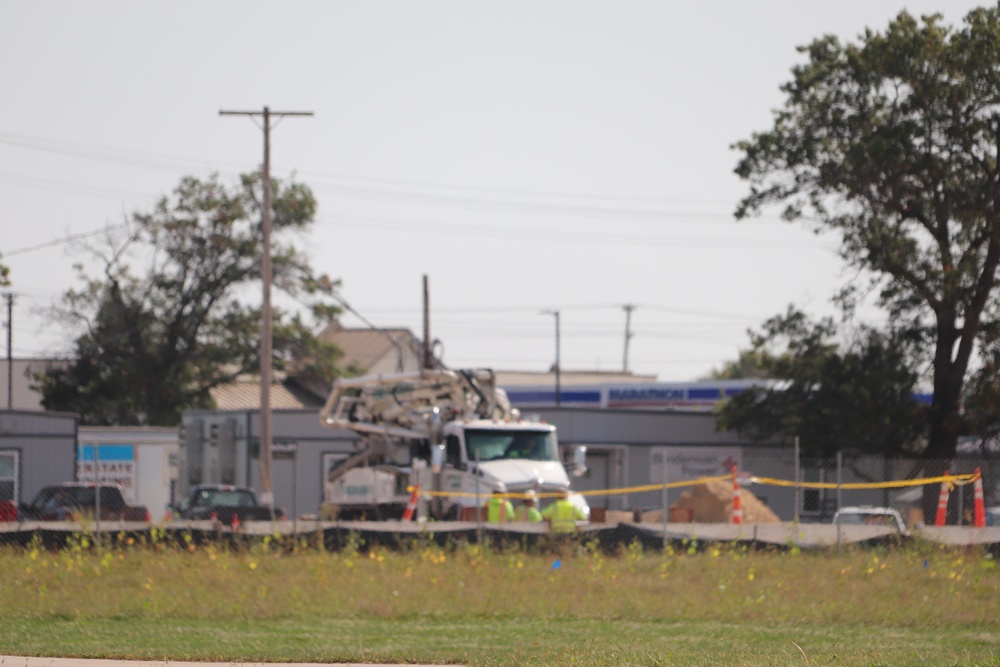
point(222, 502)
point(73, 501)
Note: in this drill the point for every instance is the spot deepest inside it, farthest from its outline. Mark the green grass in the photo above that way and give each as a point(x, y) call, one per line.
point(921, 604)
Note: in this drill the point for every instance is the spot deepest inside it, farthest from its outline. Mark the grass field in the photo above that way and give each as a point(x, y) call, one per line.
point(914, 605)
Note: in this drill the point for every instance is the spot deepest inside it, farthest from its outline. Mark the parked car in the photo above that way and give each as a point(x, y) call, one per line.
point(870, 516)
point(222, 502)
point(73, 501)
point(8, 511)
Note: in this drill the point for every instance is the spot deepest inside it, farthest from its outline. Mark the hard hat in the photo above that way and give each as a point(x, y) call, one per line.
point(530, 495)
point(500, 488)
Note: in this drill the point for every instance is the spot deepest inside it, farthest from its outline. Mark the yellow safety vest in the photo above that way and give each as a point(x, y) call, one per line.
point(499, 510)
point(525, 513)
point(562, 516)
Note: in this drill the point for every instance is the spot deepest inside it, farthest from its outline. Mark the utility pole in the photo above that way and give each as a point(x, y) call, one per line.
point(10, 351)
point(266, 361)
point(555, 313)
point(628, 307)
point(427, 363)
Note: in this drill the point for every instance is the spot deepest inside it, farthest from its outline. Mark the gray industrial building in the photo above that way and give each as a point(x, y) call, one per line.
point(626, 448)
point(36, 449)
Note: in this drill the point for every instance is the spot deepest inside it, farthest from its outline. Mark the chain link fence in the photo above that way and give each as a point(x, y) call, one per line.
point(799, 493)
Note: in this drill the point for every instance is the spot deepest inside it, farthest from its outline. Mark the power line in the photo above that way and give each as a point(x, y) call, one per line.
point(470, 203)
point(64, 240)
point(109, 154)
point(614, 236)
point(579, 307)
point(172, 162)
point(72, 188)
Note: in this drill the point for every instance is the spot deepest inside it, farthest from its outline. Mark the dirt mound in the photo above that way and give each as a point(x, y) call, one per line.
point(712, 502)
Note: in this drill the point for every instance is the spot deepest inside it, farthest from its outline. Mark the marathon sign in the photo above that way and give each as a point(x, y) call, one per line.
point(648, 396)
point(115, 464)
point(696, 395)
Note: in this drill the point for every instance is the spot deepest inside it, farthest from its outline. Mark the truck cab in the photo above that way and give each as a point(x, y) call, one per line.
point(519, 456)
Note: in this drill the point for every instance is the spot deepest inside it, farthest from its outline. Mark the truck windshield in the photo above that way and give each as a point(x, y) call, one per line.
point(225, 498)
point(496, 444)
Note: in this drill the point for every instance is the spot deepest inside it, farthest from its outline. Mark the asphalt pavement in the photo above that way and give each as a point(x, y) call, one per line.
point(21, 661)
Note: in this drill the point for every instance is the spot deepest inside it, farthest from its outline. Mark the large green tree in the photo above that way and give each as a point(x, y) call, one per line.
point(891, 142)
point(156, 341)
point(856, 397)
point(752, 364)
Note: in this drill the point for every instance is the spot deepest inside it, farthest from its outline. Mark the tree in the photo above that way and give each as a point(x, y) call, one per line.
point(892, 143)
point(750, 365)
point(857, 400)
point(156, 344)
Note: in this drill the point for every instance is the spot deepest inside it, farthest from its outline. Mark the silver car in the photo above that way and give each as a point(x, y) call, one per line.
point(870, 516)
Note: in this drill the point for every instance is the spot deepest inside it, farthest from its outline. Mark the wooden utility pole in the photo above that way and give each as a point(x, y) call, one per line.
point(628, 333)
point(558, 370)
point(10, 351)
point(428, 363)
point(266, 361)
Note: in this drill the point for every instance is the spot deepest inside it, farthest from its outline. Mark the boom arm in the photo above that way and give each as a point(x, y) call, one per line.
point(412, 405)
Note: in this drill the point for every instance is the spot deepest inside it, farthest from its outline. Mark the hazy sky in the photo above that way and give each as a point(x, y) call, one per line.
point(525, 156)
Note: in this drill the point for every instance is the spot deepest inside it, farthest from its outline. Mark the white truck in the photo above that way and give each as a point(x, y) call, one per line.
point(446, 431)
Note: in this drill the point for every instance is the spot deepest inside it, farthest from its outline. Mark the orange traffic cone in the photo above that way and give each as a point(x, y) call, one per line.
point(737, 505)
point(979, 509)
point(942, 510)
point(236, 521)
point(412, 505)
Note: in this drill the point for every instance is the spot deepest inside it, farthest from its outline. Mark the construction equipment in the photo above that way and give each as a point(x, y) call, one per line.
point(451, 432)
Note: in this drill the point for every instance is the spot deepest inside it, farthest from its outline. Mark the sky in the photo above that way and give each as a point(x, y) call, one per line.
point(528, 158)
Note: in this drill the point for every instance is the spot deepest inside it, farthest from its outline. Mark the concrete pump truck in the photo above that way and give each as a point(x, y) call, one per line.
point(447, 431)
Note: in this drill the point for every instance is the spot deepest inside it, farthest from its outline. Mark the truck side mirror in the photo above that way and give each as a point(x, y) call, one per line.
point(579, 461)
point(437, 458)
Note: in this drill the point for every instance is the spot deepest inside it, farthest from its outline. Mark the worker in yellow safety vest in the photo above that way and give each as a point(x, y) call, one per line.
point(498, 508)
point(527, 511)
point(562, 515)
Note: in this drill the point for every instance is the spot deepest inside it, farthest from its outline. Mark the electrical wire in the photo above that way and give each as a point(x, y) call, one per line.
point(461, 200)
point(613, 236)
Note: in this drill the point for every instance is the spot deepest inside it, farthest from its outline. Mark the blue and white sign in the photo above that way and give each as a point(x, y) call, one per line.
point(698, 395)
point(115, 464)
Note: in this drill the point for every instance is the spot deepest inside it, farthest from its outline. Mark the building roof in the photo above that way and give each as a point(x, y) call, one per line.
point(569, 378)
point(244, 394)
point(374, 350)
point(22, 380)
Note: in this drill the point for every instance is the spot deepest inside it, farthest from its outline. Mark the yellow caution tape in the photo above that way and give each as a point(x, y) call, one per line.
point(951, 480)
point(896, 484)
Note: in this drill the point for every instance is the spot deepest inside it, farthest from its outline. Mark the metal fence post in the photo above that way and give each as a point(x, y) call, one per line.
point(666, 507)
point(798, 483)
point(479, 511)
point(97, 496)
point(840, 480)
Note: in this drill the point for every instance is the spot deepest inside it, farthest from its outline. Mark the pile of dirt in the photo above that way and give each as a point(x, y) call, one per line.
point(712, 502)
